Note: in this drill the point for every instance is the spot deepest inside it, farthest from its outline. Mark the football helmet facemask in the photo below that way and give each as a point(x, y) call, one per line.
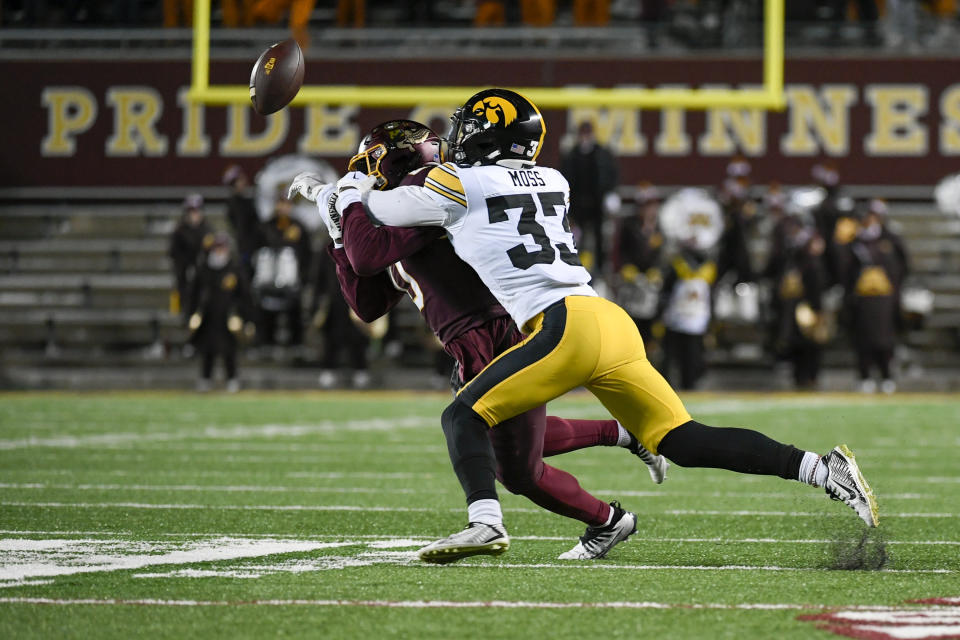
point(393, 149)
point(496, 124)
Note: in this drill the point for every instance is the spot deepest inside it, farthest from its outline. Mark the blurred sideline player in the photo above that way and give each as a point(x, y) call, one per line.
point(377, 265)
point(506, 218)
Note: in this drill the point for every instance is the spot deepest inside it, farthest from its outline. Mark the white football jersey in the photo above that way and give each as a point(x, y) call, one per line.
point(515, 234)
point(507, 221)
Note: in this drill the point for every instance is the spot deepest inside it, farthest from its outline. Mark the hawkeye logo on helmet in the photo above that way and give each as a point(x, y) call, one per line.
point(495, 110)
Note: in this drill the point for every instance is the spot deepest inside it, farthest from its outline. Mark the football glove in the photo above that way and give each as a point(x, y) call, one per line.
point(307, 185)
point(351, 187)
point(326, 206)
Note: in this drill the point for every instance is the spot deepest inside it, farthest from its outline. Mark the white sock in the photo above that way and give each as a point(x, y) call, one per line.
point(609, 518)
point(485, 511)
point(623, 436)
point(812, 470)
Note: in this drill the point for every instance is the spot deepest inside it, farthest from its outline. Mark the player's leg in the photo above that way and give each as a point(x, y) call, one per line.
point(564, 435)
point(557, 356)
point(518, 444)
point(641, 400)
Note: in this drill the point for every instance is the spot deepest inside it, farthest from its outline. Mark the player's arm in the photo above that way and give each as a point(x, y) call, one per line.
point(440, 202)
point(370, 297)
point(373, 248)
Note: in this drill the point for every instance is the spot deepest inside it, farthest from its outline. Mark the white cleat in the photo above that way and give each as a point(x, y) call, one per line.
point(846, 484)
point(597, 541)
point(656, 465)
point(475, 540)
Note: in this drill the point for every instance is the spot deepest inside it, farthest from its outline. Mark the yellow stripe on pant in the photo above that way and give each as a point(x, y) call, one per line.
point(583, 341)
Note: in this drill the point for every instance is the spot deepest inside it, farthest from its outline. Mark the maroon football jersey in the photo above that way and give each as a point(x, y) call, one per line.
point(422, 262)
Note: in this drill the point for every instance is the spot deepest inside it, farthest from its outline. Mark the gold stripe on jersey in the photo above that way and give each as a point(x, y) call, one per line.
point(450, 195)
point(448, 186)
point(450, 168)
point(444, 177)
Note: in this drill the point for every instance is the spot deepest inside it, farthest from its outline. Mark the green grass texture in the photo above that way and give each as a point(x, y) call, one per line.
point(262, 515)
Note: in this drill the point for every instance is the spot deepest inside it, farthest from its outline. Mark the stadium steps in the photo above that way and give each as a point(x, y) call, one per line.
point(109, 329)
point(85, 290)
point(71, 255)
point(90, 283)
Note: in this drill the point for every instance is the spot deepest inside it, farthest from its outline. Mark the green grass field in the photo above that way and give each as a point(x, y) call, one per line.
point(264, 515)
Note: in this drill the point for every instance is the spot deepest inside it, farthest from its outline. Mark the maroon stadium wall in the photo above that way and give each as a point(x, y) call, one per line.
point(108, 123)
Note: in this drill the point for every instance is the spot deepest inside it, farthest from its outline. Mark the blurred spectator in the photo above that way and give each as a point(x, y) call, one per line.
point(339, 327)
point(271, 11)
point(351, 13)
point(126, 12)
point(489, 13)
point(902, 22)
point(237, 13)
point(538, 13)
point(242, 215)
point(833, 218)
point(591, 13)
point(421, 12)
point(275, 177)
point(177, 13)
point(739, 211)
point(878, 266)
point(867, 14)
point(592, 173)
point(686, 303)
point(219, 305)
point(801, 328)
point(776, 221)
point(651, 17)
point(190, 240)
point(281, 272)
point(637, 259)
point(640, 242)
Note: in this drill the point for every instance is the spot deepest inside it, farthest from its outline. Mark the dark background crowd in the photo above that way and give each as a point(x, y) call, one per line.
point(809, 267)
point(690, 23)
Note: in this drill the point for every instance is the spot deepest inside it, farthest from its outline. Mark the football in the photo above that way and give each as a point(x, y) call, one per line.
point(276, 77)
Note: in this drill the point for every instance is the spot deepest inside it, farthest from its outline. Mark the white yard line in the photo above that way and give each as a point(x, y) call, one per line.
point(227, 507)
point(302, 507)
point(24, 559)
point(423, 539)
point(673, 567)
point(219, 433)
point(211, 488)
point(732, 512)
point(441, 604)
point(375, 490)
point(312, 475)
point(278, 449)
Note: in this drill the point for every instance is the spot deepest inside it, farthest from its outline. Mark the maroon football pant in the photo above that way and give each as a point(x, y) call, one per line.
point(520, 445)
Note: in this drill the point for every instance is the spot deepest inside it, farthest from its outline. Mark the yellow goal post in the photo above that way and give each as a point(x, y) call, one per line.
point(769, 96)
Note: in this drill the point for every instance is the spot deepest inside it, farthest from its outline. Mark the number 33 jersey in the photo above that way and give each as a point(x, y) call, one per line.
point(508, 221)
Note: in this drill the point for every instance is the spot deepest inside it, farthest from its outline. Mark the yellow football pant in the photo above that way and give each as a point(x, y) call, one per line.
point(580, 341)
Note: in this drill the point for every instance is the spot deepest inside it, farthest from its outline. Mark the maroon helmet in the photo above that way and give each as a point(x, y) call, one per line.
point(393, 149)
